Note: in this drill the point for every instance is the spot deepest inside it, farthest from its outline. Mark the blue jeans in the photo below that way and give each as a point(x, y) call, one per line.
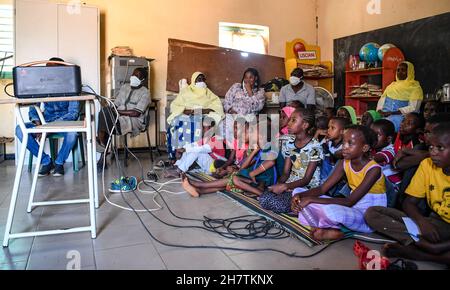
point(70, 139)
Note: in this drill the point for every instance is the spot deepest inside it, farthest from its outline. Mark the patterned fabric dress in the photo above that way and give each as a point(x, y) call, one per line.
point(300, 158)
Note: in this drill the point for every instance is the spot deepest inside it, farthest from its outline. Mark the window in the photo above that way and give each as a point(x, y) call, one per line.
point(6, 41)
point(245, 37)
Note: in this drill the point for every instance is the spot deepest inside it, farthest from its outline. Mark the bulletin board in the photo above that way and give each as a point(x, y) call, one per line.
point(223, 67)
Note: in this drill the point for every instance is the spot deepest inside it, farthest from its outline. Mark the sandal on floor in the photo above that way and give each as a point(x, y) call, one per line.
point(402, 265)
point(361, 251)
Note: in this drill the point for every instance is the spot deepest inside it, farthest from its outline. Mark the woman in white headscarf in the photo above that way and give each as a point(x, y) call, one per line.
point(187, 111)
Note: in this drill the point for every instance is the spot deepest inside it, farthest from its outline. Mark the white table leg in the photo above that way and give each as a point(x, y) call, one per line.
point(36, 172)
point(15, 192)
point(94, 150)
point(91, 165)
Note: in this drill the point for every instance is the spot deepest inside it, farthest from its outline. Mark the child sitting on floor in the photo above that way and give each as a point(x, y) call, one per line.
point(410, 130)
point(431, 242)
point(238, 149)
point(285, 115)
point(302, 155)
point(330, 112)
point(259, 170)
point(208, 153)
point(321, 128)
point(242, 153)
point(283, 136)
point(348, 112)
point(384, 155)
point(407, 161)
point(431, 109)
point(332, 150)
point(370, 117)
point(327, 215)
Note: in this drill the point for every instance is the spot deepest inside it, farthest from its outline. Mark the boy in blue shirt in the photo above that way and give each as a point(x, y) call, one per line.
point(53, 112)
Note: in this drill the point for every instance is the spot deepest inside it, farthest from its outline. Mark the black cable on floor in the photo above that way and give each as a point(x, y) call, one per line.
point(251, 230)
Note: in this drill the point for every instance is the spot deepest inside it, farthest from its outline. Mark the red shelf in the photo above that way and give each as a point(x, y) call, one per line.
point(354, 78)
point(362, 71)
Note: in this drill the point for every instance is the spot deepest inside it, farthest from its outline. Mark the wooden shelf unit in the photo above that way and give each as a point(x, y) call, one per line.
point(354, 78)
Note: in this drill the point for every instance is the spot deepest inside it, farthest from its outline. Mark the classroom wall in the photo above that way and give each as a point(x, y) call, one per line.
point(147, 25)
point(339, 18)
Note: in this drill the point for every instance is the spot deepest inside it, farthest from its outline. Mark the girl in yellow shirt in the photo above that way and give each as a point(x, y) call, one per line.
point(327, 215)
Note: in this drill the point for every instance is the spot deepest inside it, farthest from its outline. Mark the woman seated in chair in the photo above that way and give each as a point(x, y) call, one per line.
point(187, 111)
point(131, 103)
point(402, 97)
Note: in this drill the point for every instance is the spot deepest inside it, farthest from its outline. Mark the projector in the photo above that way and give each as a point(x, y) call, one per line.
point(46, 81)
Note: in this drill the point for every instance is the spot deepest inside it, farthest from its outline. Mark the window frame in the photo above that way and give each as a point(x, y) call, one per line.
point(7, 27)
point(246, 30)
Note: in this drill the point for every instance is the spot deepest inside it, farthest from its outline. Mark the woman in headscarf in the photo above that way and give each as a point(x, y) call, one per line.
point(402, 97)
point(187, 111)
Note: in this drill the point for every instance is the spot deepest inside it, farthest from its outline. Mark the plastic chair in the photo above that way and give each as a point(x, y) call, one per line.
point(77, 151)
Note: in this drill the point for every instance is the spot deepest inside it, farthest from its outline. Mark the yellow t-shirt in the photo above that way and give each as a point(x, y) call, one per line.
point(430, 182)
point(356, 178)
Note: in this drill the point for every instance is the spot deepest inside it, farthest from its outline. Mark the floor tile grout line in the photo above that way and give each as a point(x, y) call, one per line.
point(121, 247)
point(32, 243)
point(231, 260)
point(159, 254)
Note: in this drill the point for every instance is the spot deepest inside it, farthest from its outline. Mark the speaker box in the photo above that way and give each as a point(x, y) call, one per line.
point(46, 81)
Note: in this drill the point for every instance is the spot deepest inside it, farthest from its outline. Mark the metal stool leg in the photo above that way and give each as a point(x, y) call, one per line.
point(150, 146)
point(125, 161)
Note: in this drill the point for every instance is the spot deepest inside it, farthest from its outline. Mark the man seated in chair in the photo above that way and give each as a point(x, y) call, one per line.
point(131, 103)
point(53, 112)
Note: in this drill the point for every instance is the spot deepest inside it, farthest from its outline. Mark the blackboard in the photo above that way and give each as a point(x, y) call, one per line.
point(223, 67)
point(425, 43)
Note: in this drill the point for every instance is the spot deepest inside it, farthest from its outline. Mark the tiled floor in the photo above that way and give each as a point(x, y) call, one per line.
point(123, 243)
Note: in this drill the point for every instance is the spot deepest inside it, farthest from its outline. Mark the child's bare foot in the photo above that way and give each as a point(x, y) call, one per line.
point(400, 251)
point(313, 231)
point(189, 188)
point(327, 234)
